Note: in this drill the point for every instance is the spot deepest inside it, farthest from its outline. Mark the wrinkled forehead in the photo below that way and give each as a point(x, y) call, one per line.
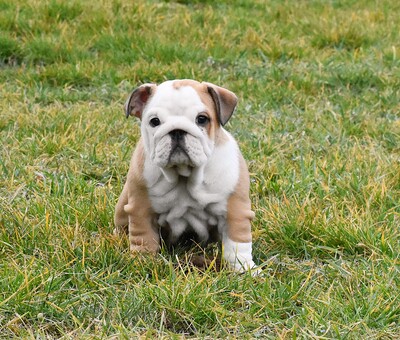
point(177, 99)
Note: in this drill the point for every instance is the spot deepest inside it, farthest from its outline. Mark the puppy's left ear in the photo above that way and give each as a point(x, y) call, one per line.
point(225, 102)
point(136, 102)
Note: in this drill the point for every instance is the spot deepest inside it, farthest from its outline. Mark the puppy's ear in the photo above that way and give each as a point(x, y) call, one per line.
point(225, 102)
point(136, 102)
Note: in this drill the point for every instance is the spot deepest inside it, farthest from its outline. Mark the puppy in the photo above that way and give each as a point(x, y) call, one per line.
point(187, 173)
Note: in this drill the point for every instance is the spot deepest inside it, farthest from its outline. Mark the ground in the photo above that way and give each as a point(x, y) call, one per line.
point(318, 122)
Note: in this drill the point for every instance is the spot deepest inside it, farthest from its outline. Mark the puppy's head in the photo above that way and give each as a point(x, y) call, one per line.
point(180, 120)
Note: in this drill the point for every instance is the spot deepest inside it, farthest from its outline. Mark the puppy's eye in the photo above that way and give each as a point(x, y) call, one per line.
point(202, 120)
point(154, 122)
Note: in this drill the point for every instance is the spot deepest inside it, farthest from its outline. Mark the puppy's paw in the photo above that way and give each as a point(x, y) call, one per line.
point(144, 248)
point(238, 256)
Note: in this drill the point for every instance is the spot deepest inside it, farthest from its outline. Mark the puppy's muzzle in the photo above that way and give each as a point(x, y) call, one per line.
point(178, 153)
point(179, 142)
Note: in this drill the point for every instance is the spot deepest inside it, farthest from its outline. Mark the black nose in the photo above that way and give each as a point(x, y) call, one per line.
point(177, 135)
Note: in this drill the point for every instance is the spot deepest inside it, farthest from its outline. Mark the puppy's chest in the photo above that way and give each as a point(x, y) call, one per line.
point(181, 205)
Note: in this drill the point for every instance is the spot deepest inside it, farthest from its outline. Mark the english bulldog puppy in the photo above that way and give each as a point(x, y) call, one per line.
point(187, 173)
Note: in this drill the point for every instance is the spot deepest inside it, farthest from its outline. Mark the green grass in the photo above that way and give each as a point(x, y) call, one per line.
point(318, 122)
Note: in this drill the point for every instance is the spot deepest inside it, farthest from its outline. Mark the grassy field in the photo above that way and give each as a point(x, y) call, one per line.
point(318, 122)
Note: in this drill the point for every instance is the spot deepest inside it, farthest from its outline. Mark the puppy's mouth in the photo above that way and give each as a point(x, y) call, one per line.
point(178, 155)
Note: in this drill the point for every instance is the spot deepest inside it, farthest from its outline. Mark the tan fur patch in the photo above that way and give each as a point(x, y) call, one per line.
point(177, 84)
point(239, 213)
point(134, 207)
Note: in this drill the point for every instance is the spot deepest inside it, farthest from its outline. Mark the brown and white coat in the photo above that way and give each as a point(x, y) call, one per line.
point(187, 171)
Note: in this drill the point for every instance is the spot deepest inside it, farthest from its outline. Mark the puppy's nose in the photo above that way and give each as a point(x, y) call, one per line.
point(177, 135)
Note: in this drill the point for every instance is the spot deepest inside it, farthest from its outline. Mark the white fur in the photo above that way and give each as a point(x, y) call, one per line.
point(238, 255)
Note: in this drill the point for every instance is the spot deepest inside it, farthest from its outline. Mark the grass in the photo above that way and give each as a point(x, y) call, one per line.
point(318, 122)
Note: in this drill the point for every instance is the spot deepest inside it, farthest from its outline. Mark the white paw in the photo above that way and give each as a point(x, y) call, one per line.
point(239, 257)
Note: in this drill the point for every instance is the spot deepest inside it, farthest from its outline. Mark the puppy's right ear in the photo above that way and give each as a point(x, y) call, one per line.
point(136, 102)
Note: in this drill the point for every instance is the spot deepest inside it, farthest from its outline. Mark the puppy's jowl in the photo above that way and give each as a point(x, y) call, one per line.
point(187, 173)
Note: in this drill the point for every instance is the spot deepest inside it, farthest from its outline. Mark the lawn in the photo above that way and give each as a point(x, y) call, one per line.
point(318, 122)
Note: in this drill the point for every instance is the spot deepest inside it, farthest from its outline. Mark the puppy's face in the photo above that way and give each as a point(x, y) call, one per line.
point(180, 120)
point(178, 127)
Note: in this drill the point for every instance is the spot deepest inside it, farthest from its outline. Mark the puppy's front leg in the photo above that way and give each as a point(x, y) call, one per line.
point(142, 235)
point(237, 239)
point(134, 208)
